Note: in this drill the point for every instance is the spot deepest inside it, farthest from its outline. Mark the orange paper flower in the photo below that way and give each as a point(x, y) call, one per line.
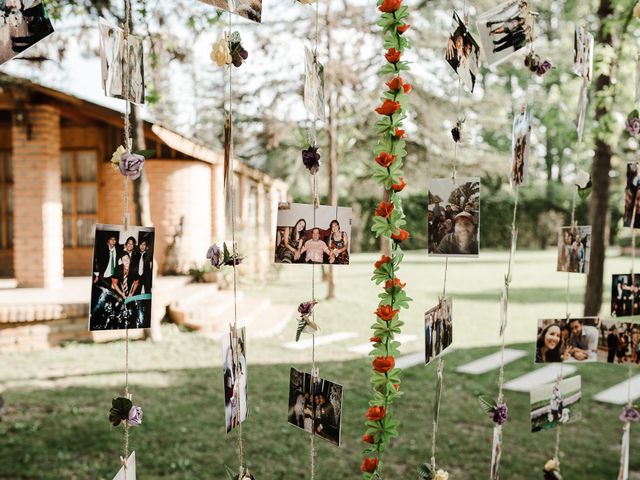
point(386, 313)
point(400, 133)
point(367, 438)
point(398, 187)
point(388, 107)
point(384, 209)
point(383, 259)
point(369, 465)
point(403, 28)
point(376, 413)
point(385, 159)
point(383, 364)
point(390, 6)
point(393, 55)
point(396, 282)
point(401, 236)
point(407, 88)
point(375, 339)
point(395, 84)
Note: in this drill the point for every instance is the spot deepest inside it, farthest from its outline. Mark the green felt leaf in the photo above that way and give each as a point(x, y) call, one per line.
point(487, 403)
point(147, 154)
point(301, 324)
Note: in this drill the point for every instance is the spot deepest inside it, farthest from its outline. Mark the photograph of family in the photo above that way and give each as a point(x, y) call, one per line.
point(23, 23)
point(250, 9)
point(438, 329)
point(625, 295)
point(588, 340)
point(315, 408)
point(631, 214)
point(504, 30)
point(574, 249)
point(234, 366)
point(463, 53)
point(313, 85)
point(454, 217)
point(113, 53)
point(520, 148)
point(305, 236)
point(583, 53)
point(122, 278)
point(556, 403)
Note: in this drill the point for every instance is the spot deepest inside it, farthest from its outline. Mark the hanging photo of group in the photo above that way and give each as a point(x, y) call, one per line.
point(23, 24)
point(588, 340)
point(116, 55)
point(315, 407)
point(504, 30)
point(250, 9)
point(438, 329)
point(625, 295)
point(631, 216)
point(122, 278)
point(234, 366)
point(583, 53)
point(454, 217)
point(305, 234)
point(574, 249)
point(313, 85)
point(520, 140)
point(556, 403)
point(463, 53)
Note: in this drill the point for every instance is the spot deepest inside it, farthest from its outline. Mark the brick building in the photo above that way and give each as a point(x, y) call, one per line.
point(56, 182)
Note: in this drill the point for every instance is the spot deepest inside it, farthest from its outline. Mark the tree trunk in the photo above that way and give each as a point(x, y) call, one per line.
point(332, 150)
point(600, 175)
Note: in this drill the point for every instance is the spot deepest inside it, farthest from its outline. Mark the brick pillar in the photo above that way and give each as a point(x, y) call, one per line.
point(218, 222)
point(37, 206)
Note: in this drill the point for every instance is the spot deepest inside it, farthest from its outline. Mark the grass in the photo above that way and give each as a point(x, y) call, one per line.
point(55, 425)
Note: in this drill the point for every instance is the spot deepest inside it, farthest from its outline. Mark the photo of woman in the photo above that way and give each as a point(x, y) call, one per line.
point(290, 248)
point(548, 346)
point(463, 53)
point(338, 244)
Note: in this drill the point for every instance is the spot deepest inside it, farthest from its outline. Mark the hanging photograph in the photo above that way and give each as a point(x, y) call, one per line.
point(438, 329)
point(556, 403)
point(583, 53)
point(130, 472)
point(582, 111)
point(116, 55)
point(463, 53)
point(250, 9)
point(625, 295)
point(574, 249)
point(589, 339)
point(315, 408)
point(504, 30)
point(122, 278)
point(303, 236)
point(234, 366)
point(23, 24)
point(313, 85)
point(631, 216)
point(520, 139)
point(454, 217)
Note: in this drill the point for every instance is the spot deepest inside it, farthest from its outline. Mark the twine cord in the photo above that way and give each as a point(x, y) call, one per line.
point(436, 413)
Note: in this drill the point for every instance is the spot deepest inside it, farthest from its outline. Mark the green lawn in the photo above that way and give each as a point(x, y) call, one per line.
point(55, 425)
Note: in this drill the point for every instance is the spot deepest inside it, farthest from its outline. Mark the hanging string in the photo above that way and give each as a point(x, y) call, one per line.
point(436, 412)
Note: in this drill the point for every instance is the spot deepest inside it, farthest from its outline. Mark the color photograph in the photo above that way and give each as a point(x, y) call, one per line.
point(625, 295)
point(438, 329)
point(574, 249)
point(250, 9)
point(520, 140)
point(23, 23)
point(234, 369)
point(556, 403)
point(463, 53)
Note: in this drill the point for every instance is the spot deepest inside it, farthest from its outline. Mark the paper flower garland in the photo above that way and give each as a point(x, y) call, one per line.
point(123, 410)
point(388, 219)
point(229, 259)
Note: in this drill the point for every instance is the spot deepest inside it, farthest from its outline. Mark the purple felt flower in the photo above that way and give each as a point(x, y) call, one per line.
point(213, 254)
point(633, 126)
point(135, 416)
point(131, 165)
point(629, 414)
point(311, 159)
point(500, 414)
point(544, 67)
point(306, 308)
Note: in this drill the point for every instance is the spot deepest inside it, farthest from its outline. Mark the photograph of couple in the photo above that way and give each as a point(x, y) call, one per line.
point(631, 214)
point(315, 408)
point(556, 403)
point(504, 30)
point(438, 329)
point(122, 278)
point(305, 236)
point(112, 59)
point(573, 340)
point(520, 148)
point(574, 249)
point(23, 23)
point(454, 217)
point(234, 366)
point(250, 9)
point(625, 295)
point(463, 53)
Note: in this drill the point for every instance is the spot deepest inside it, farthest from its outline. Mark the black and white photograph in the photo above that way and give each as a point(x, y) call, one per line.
point(454, 217)
point(23, 23)
point(313, 84)
point(250, 9)
point(303, 236)
point(113, 53)
point(588, 340)
point(438, 329)
point(583, 53)
point(504, 30)
point(574, 249)
point(625, 295)
point(520, 139)
point(556, 403)
point(234, 366)
point(315, 406)
point(122, 278)
point(631, 216)
point(463, 53)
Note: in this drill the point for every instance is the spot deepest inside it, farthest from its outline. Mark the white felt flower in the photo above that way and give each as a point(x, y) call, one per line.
point(441, 475)
point(551, 465)
point(582, 179)
point(220, 53)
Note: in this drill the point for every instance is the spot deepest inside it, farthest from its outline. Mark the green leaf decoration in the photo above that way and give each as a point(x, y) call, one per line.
point(425, 472)
point(487, 403)
point(147, 154)
point(302, 323)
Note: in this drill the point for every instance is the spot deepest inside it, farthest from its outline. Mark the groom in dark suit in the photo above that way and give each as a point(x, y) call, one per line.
point(105, 262)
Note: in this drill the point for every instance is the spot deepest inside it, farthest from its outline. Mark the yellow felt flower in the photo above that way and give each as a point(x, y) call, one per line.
point(117, 155)
point(441, 475)
point(220, 53)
